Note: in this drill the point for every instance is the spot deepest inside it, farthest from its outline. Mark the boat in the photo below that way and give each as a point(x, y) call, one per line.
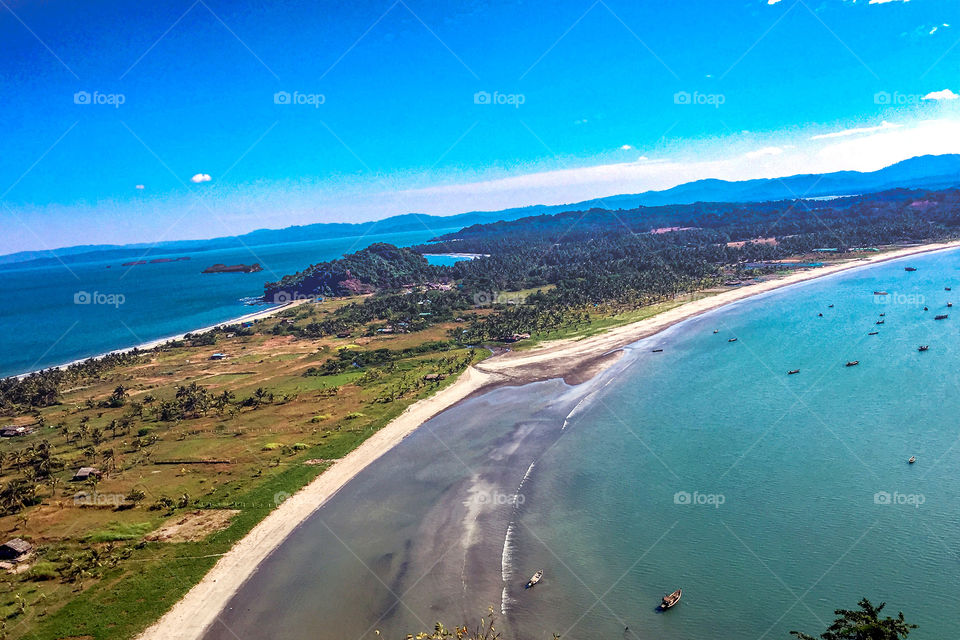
point(880, 293)
point(873, 333)
point(658, 350)
point(882, 314)
point(716, 330)
point(946, 289)
point(671, 599)
point(537, 577)
point(880, 321)
point(912, 459)
point(732, 340)
point(949, 304)
point(942, 316)
point(829, 306)
point(793, 371)
point(819, 315)
point(909, 268)
point(923, 347)
point(926, 308)
point(853, 363)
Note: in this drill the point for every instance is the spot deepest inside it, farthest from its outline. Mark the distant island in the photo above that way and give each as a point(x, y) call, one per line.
point(234, 268)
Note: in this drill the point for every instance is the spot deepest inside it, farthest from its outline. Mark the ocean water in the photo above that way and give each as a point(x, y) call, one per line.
point(770, 499)
point(42, 325)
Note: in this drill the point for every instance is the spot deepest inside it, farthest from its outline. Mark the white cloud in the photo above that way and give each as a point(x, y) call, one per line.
point(201, 177)
point(856, 131)
point(945, 94)
point(765, 151)
point(625, 147)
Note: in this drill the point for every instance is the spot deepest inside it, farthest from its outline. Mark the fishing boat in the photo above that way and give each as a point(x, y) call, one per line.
point(880, 321)
point(912, 459)
point(909, 268)
point(732, 340)
point(853, 363)
point(793, 371)
point(923, 347)
point(942, 316)
point(671, 599)
point(873, 333)
point(537, 577)
point(880, 293)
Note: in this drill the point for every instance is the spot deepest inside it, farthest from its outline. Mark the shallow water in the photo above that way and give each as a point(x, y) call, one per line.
point(771, 499)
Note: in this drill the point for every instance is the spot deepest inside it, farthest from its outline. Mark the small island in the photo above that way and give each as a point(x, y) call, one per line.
point(234, 268)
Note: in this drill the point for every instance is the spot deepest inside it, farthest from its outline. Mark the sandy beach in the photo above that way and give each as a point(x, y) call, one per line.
point(574, 360)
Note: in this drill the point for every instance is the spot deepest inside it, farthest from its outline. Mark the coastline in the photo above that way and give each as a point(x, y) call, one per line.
point(150, 344)
point(575, 360)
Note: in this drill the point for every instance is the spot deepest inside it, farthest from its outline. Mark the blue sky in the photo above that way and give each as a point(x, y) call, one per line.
point(302, 112)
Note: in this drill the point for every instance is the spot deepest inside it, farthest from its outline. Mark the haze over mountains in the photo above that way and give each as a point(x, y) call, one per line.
point(926, 172)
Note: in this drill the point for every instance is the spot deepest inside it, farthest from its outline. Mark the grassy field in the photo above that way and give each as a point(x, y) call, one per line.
point(95, 570)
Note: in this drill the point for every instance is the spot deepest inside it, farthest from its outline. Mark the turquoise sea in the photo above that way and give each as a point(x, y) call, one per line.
point(770, 499)
point(42, 325)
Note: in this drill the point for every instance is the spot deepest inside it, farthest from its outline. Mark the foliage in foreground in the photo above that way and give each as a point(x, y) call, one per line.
point(864, 623)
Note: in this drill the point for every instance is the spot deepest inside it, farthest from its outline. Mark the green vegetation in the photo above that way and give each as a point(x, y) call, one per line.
point(864, 623)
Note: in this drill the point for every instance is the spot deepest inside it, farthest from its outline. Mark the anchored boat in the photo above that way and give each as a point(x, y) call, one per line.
point(671, 599)
point(942, 316)
point(853, 363)
point(793, 371)
point(923, 347)
point(537, 577)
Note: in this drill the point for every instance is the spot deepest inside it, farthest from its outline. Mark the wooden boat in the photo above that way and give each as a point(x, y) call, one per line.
point(873, 333)
point(853, 363)
point(923, 347)
point(880, 293)
point(909, 268)
point(942, 316)
point(912, 459)
point(671, 599)
point(793, 371)
point(732, 340)
point(537, 577)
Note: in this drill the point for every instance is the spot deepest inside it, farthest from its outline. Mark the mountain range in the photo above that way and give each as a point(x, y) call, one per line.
point(921, 172)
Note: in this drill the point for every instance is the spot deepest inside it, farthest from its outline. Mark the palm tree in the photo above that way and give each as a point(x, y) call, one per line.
point(863, 624)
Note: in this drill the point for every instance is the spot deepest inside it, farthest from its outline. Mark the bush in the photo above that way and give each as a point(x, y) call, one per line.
point(42, 571)
point(271, 446)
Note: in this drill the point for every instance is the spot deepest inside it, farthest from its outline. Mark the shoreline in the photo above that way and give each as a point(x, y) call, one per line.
point(150, 344)
point(574, 360)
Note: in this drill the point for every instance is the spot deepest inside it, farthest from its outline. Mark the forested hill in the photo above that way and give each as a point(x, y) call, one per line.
point(614, 260)
point(379, 266)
